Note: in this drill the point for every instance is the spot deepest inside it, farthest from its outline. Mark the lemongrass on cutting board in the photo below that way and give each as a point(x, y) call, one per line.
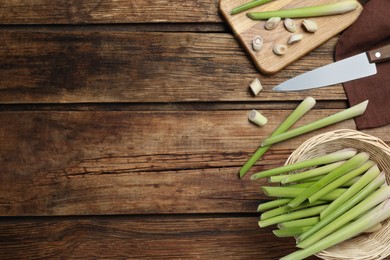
point(248, 6)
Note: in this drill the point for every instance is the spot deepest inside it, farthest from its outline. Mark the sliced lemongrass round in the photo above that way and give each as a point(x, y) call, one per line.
point(255, 86)
point(280, 49)
point(310, 25)
point(290, 25)
point(257, 118)
point(257, 43)
point(295, 38)
point(272, 23)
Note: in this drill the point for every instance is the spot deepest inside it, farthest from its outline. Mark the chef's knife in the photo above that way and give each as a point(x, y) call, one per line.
point(355, 67)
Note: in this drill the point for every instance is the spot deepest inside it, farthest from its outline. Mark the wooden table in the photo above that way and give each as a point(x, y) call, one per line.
point(124, 124)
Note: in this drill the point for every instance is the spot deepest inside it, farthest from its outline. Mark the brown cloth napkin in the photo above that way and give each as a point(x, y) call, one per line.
point(370, 30)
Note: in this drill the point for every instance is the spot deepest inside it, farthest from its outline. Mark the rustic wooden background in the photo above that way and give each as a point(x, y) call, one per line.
point(124, 124)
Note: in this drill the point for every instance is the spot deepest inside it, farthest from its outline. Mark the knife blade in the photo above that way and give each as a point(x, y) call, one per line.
point(355, 67)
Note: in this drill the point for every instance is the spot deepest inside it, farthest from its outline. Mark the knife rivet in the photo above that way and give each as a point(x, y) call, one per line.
point(377, 54)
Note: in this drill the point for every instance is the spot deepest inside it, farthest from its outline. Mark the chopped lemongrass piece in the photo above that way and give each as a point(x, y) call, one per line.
point(297, 37)
point(285, 209)
point(287, 192)
point(272, 204)
point(248, 6)
point(340, 181)
point(370, 202)
point(299, 223)
point(255, 86)
point(257, 118)
point(299, 111)
point(303, 213)
point(352, 163)
point(372, 173)
point(290, 25)
point(375, 216)
point(330, 120)
point(289, 232)
point(324, 159)
point(375, 184)
point(310, 26)
point(311, 173)
point(309, 11)
point(257, 45)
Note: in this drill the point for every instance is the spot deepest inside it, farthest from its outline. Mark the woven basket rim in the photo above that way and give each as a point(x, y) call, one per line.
point(372, 246)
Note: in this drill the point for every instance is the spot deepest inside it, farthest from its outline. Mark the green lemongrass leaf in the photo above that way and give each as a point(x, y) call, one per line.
point(299, 223)
point(312, 173)
point(352, 163)
point(361, 195)
point(305, 106)
point(272, 204)
point(248, 6)
point(351, 112)
point(289, 232)
point(324, 159)
point(286, 209)
point(287, 192)
point(370, 202)
point(371, 174)
point(310, 11)
point(377, 215)
point(340, 181)
point(303, 213)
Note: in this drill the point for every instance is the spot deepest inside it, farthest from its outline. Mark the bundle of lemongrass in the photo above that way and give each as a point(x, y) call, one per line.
point(339, 195)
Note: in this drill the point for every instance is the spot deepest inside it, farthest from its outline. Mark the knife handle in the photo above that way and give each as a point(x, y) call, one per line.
point(380, 54)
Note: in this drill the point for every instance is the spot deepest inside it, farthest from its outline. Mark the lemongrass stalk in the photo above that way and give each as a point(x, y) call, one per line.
point(272, 204)
point(375, 228)
point(286, 209)
point(361, 195)
point(330, 120)
point(289, 232)
point(248, 6)
point(352, 163)
point(312, 173)
point(324, 159)
point(303, 213)
point(370, 202)
point(306, 105)
point(377, 215)
point(340, 181)
point(287, 192)
point(301, 185)
point(315, 178)
point(299, 223)
point(351, 182)
point(309, 11)
point(372, 173)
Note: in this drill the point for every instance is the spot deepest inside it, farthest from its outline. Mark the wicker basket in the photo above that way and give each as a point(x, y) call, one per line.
point(367, 246)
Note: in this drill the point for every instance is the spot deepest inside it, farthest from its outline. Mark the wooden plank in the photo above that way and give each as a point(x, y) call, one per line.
point(150, 237)
point(129, 162)
point(94, 66)
point(246, 29)
point(107, 11)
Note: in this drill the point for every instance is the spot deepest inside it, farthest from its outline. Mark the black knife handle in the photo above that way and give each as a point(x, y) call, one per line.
point(380, 54)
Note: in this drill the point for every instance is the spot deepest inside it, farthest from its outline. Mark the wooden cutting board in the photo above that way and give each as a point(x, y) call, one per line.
point(265, 60)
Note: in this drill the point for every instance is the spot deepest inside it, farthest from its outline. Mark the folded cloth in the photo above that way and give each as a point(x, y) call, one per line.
point(370, 30)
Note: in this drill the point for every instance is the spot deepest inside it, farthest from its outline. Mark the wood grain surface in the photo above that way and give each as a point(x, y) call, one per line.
point(123, 125)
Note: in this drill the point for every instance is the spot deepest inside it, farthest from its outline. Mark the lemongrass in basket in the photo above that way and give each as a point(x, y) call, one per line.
point(248, 6)
point(351, 182)
point(289, 232)
point(340, 181)
point(288, 192)
point(348, 113)
point(306, 105)
point(309, 11)
point(372, 173)
point(370, 188)
point(324, 159)
point(285, 209)
point(377, 215)
point(303, 222)
point(288, 178)
point(352, 163)
point(303, 213)
point(272, 204)
point(370, 202)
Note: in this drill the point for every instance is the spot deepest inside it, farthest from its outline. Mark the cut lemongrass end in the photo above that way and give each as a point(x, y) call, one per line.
point(349, 113)
point(309, 11)
point(257, 118)
point(305, 106)
point(272, 204)
point(324, 159)
point(248, 6)
point(255, 86)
